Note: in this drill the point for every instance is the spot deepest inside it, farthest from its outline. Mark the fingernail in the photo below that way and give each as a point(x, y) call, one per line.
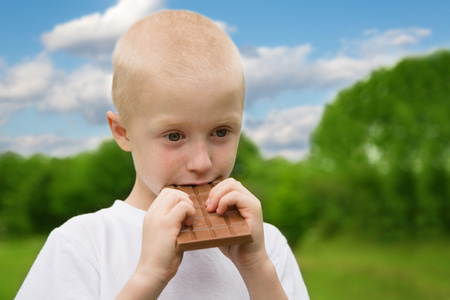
point(207, 202)
point(188, 221)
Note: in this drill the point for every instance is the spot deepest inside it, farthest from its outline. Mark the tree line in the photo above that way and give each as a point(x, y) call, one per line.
point(378, 168)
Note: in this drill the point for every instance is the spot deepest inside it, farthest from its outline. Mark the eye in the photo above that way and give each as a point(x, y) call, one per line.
point(221, 132)
point(173, 136)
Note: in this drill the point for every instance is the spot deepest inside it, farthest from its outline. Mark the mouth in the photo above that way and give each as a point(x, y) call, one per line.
point(199, 182)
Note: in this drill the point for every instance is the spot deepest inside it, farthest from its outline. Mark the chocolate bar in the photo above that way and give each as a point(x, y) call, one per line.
point(210, 229)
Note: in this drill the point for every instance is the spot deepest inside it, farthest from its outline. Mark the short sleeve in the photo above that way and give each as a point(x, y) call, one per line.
point(61, 271)
point(285, 264)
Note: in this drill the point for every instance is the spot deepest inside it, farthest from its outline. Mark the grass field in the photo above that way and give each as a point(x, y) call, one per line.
point(332, 269)
point(345, 269)
point(16, 258)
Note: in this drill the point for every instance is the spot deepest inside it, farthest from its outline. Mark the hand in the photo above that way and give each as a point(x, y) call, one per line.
point(230, 192)
point(251, 259)
point(159, 260)
point(162, 224)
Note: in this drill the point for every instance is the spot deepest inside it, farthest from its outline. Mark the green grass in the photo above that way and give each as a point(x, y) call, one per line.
point(332, 269)
point(345, 269)
point(16, 258)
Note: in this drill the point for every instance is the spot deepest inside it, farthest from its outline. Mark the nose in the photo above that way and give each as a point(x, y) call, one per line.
point(199, 160)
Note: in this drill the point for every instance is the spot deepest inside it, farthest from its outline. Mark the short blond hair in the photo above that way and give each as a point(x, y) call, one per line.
point(171, 45)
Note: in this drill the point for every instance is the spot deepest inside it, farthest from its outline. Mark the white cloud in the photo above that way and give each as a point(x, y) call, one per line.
point(270, 71)
point(226, 27)
point(95, 35)
point(87, 90)
point(26, 80)
point(389, 42)
point(342, 70)
point(285, 132)
point(22, 85)
point(52, 145)
point(37, 83)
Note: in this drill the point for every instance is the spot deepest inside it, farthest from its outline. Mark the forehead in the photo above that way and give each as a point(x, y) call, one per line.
point(199, 102)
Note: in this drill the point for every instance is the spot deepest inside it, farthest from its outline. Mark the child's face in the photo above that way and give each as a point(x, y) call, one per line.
point(186, 134)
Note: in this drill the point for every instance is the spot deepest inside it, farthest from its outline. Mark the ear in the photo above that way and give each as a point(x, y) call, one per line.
point(118, 131)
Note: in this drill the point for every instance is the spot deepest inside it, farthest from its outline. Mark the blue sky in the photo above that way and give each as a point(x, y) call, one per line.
point(55, 68)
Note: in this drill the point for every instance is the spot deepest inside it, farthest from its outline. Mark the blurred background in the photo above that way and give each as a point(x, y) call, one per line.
point(345, 141)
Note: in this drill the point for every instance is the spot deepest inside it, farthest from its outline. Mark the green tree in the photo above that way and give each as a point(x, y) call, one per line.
point(91, 180)
point(394, 126)
point(12, 208)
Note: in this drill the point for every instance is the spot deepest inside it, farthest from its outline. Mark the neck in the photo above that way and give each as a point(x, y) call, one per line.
point(140, 197)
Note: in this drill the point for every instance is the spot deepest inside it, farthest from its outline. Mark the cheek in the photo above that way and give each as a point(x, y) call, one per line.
point(169, 160)
point(225, 159)
point(156, 168)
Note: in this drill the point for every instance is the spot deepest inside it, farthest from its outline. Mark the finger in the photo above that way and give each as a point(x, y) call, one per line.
point(222, 189)
point(234, 193)
point(181, 212)
point(167, 199)
point(230, 199)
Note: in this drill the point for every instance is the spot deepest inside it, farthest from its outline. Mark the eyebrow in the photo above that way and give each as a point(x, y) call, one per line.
point(168, 122)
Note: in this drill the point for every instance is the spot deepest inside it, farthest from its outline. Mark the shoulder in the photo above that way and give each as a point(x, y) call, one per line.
point(273, 235)
point(112, 223)
point(84, 229)
point(83, 223)
point(275, 241)
point(285, 263)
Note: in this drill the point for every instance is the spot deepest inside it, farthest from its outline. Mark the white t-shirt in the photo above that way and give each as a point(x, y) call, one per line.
point(92, 256)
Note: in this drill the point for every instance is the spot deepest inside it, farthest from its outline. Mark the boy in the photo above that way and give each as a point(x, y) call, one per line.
point(178, 88)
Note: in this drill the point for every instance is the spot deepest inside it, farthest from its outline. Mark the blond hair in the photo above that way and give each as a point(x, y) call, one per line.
point(167, 47)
